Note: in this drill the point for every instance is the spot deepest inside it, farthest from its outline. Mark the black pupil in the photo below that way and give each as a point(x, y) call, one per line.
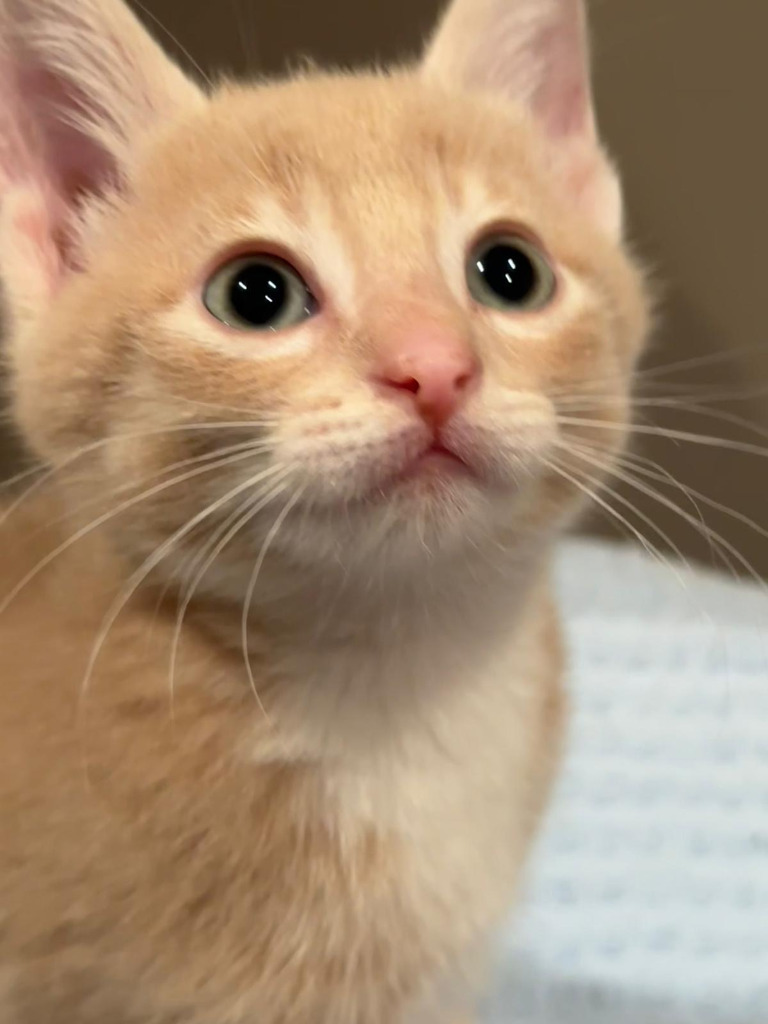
point(258, 293)
point(508, 272)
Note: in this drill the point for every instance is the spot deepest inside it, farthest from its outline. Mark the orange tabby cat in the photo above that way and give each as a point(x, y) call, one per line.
point(281, 679)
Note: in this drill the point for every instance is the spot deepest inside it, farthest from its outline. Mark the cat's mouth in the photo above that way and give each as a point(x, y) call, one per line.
point(411, 465)
point(437, 464)
point(436, 458)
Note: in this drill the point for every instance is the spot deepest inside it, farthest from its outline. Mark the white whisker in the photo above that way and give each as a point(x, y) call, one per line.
point(708, 532)
point(592, 493)
point(226, 533)
point(639, 463)
point(695, 408)
point(252, 586)
point(111, 514)
point(253, 447)
point(52, 471)
point(676, 435)
point(140, 575)
point(641, 375)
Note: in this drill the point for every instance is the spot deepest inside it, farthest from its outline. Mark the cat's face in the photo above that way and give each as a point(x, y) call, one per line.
point(346, 306)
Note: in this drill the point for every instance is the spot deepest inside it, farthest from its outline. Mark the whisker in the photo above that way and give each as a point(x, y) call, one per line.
point(123, 507)
point(683, 406)
point(176, 42)
point(219, 406)
point(634, 461)
point(273, 532)
point(709, 532)
point(222, 537)
point(717, 543)
point(254, 447)
point(693, 397)
point(675, 435)
point(665, 562)
point(206, 79)
point(660, 474)
point(52, 471)
point(696, 362)
point(642, 375)
point(11, 481)
point(615, 470)
point(648, 546)
point(140, 575)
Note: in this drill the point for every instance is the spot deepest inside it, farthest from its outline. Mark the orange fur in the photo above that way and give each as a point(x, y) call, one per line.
point(329, 828)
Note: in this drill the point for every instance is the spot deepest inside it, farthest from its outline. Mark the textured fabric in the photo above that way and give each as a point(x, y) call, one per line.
point(648, 895)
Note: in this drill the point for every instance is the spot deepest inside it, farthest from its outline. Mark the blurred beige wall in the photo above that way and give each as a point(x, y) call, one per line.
point(681, 87)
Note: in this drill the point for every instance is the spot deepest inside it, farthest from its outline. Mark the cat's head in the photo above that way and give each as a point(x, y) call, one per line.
point(354, 307)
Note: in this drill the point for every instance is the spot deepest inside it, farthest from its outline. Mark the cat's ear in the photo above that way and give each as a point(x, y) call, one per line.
point(534, 52)
point(81, 84)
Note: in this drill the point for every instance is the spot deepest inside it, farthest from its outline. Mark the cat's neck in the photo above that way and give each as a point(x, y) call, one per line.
point(357, 663)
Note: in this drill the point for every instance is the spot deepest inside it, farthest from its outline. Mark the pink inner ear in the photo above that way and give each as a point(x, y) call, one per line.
point(33, 223)
point(30, 256)
point(80, 82)
point(44, 154)
point(561, 99)
point(70, 162)
point(530, 51)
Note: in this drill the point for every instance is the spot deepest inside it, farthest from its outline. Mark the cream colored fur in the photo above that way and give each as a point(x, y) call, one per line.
point(308, 799)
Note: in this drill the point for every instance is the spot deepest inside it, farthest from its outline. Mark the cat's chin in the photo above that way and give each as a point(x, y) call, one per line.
point(434, 511)
point(436, 503)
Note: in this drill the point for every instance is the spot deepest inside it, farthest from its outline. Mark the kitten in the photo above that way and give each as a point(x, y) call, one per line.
point(281, 674)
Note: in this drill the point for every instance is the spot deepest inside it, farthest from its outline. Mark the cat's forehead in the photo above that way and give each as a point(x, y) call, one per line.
point(369, 153)
point(346, 126)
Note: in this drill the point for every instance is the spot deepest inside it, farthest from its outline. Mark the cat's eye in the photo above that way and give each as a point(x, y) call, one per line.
point(509, 273)
point(258, 293)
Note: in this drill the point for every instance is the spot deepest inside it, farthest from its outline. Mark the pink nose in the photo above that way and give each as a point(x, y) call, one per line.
point(431, 367)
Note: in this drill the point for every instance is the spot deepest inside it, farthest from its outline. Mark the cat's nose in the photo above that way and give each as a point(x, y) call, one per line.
point(433, 369)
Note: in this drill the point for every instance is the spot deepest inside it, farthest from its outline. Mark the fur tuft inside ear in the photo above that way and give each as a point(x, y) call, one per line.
point(534, 53)
point(81, 83)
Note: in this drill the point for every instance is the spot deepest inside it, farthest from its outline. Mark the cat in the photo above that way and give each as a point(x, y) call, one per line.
point(282, 696)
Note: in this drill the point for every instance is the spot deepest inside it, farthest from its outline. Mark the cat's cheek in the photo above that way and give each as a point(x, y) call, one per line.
point(510, 439)
point(558, 353)
point(572, 298)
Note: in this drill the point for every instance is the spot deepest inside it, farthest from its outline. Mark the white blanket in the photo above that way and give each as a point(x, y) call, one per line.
point(648, 895)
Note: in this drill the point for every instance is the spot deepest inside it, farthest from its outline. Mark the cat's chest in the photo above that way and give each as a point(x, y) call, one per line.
point(451, 769)
point(455, 795)
point(457, 808)
point(399, 836)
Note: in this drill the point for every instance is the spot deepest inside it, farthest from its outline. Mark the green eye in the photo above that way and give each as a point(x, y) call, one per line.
point(258, 293)
point(510, 274)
